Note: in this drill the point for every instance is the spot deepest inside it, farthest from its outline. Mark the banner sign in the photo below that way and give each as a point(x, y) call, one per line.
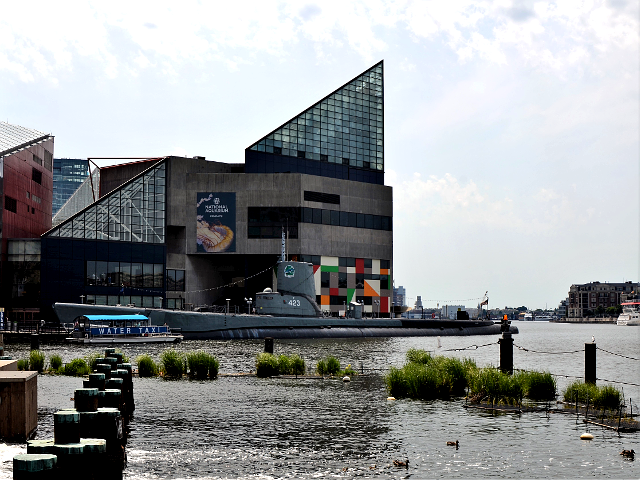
point(127, 330)
point(216, 222)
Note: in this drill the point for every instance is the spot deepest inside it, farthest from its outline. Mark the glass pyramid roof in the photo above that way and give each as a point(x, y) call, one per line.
point(133, 212)
point(346, 127)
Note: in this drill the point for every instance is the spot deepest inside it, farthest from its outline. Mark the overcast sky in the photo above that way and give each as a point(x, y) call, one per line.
point(511, 128)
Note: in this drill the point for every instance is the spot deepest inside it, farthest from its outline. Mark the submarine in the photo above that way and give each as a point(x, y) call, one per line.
point(290, 312)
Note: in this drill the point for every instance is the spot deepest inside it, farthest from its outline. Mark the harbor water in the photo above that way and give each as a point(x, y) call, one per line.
point(246, 427)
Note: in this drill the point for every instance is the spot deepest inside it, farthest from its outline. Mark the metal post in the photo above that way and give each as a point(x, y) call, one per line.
point(268, 345)
point(228, 300)
point(35, 341)
point(590, 363)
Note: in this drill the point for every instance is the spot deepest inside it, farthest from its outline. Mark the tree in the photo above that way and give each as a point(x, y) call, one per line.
point(599, 310)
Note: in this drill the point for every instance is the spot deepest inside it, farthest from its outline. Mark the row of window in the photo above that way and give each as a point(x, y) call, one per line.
point(34, 197)
point(132, 274)
point(341, 300)
point(267, 222)
point(145, 301)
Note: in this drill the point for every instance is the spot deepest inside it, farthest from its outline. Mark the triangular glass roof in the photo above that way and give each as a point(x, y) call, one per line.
point(345, 127)
point(133, 212)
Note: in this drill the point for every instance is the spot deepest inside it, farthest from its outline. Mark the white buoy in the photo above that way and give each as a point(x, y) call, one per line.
point(439, 344)
point(586, 436)
point(346, 379)
point(391, 399)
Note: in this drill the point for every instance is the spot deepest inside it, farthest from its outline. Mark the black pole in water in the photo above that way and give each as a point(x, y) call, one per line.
point(590, 363)
point(35, 341)
point(506, 348)
point(268, 345)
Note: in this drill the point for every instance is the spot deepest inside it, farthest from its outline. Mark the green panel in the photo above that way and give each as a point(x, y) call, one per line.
point(329, 268)
point(350, 293)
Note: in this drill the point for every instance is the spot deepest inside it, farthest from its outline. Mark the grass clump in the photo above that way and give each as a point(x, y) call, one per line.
point(173, 363)
point(55, 362)
point(425, 377)
point(146, 366)
point(284, 365)
point(36, 360)
point(328, 366)
point(606, 396)
point(125, 358)
point(538, 386)
point(297, 365)
point(23, 364)
point(202, 365)
point(267, 365)
point(76, 368)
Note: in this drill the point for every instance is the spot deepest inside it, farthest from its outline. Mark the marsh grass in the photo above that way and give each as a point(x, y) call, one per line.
point(173, 363)
point(55, 362)
point(606, 396)
point(539, 386)
point(297, 365)
point(202, 365)
point(427, 378)
point(76, 368)
point(328, 366)
point(284, 365)
point(36, 361)
point(146, 366)
point(267, 365)
point(23, 364)
point(92, 360)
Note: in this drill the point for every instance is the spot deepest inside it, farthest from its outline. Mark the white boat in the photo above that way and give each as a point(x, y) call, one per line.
point(116, 329)
point(528, 317)
point(630, 315)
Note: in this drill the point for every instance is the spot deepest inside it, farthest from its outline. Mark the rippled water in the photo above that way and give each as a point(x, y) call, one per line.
point(245, 427)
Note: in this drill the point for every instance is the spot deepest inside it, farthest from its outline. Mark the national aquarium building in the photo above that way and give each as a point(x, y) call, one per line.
point(182, 233)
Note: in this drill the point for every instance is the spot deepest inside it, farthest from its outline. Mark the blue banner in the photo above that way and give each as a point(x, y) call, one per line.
point(216, 222)
point(127, 330)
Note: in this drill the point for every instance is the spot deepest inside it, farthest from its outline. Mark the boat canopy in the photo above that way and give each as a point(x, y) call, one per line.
point(113, 318)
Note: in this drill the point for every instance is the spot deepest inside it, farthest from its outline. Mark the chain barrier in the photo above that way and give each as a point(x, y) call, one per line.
point(470, 347)
point(549, 353)
point(617, 354)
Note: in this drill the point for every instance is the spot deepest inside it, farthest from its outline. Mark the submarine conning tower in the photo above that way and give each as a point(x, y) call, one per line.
point(296, 295)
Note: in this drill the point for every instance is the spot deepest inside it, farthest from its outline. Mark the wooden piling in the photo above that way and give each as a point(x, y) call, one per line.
point(35, 341)
point(86, 399)
point(506, 353)
point(66, 427)
point(33, 465)
point(590, 363)
point(268, 345)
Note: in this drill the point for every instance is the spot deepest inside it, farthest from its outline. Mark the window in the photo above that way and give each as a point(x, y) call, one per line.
point(267, 222)
point(11, 204)
point(311, 196)
point(37, 159)
point(175, 280)
point(36, 175)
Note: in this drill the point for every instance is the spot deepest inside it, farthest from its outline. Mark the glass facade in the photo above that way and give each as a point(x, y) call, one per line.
point(135, 212)
point(68, 175)
point(345, 128)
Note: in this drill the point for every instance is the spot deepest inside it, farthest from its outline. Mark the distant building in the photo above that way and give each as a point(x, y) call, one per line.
point(26, 186)
point(585, 298)
point(400, 296)
point(563, 308)
point(68, 175)
point(418, 303)
point(450, 311)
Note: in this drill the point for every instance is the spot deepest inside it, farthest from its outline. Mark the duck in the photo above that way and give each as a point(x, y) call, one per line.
point(400, 463)
point(628, 453)
point(453, 444)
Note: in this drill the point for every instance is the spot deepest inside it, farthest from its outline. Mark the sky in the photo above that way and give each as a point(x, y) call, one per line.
point(511, 128)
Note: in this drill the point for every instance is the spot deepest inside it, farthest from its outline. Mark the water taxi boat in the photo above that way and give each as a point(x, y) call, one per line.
point(113, 329)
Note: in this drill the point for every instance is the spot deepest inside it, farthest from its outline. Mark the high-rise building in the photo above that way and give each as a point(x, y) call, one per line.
point(400, 296)
point(178, 232)
point(68, 175)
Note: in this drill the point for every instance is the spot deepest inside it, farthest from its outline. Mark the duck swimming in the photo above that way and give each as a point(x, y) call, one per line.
point(400, 463)
point(453, 444)
point(628, 453)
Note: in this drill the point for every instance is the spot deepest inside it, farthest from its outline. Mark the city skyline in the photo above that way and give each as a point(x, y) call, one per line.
point(511, 129)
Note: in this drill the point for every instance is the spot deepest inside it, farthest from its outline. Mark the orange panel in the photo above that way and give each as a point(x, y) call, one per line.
point(369, 291)
point(384, 271)
point(325, 300)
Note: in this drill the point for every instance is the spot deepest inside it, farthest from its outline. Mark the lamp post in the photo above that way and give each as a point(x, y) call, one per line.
point(248, 300)
point(228, 300)
point(377, 303)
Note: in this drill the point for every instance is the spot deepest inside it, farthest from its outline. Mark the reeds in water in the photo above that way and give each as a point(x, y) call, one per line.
point(173, 363)
point(36, 361)
point(268, 365)
point(328, 366)
point(606, 396)
point(76, 368)
point(55, 362)
point(146, 366)
point(202, 365)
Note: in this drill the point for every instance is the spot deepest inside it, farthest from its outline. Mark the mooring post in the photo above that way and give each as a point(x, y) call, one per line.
point(506, 348)
point(35, 341)
point(268, 345)
point(590, 363)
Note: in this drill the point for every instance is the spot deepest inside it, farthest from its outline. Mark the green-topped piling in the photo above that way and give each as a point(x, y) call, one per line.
point(33, 465)
point(86, 399)
point(38, 447)
point(66, 427)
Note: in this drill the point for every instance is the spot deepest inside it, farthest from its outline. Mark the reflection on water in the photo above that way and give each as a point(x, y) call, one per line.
point(245, 427)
